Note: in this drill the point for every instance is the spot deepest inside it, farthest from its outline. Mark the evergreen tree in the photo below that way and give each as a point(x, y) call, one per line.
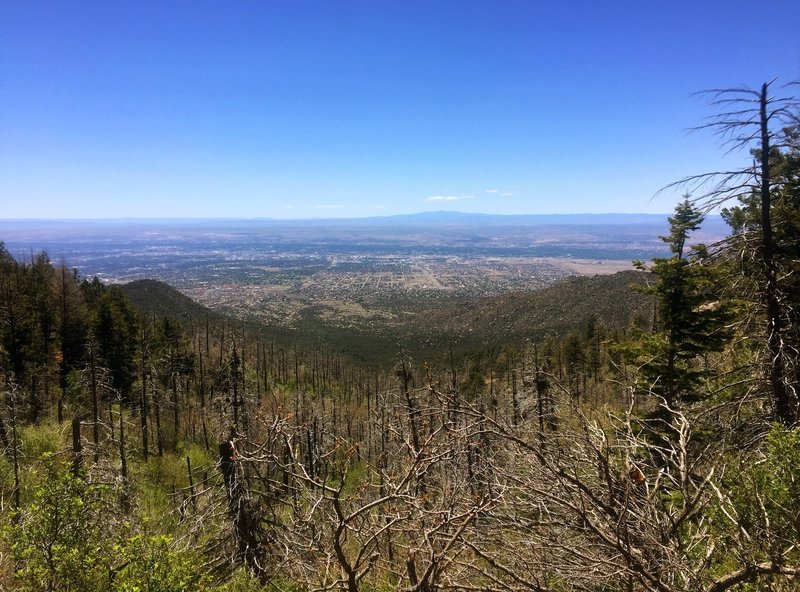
point(72, 329)
point(691, 319)
point(116, 331)
point(115, 325)
point(15, 335)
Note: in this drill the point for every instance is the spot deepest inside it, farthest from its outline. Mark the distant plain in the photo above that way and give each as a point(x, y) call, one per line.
point(364, 275)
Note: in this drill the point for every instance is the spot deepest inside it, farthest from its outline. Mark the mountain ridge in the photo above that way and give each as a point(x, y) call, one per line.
point(466, 323)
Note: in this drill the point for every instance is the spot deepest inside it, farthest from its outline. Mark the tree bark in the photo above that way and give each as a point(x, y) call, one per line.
point(785, 406)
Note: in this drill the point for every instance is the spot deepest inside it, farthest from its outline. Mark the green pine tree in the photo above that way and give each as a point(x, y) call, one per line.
point(691, 319)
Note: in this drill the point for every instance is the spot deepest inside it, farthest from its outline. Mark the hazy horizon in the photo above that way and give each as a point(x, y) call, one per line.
point(419, 214)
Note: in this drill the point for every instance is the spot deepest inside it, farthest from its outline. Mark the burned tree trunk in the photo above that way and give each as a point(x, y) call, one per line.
point(243, 511)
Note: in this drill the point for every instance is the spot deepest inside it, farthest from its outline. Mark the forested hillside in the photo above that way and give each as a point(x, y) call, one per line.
point(161, 447)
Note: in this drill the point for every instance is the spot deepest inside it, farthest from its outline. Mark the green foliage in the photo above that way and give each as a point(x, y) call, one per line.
point(27, 325)
point(6, 481)
point(116, 329)
point(692, 317)
point(73, 324)
point(58, 540)
point(243, 581)
point(766, 494)
point(64, 540)
point(156, 480)
point(75, 391)
point(152, 565)
point(38, 441)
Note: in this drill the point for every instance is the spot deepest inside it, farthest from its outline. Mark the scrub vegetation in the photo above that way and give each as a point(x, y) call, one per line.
point(646, 441)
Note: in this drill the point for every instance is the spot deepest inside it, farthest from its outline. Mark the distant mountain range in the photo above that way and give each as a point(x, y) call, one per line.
point(450, 217)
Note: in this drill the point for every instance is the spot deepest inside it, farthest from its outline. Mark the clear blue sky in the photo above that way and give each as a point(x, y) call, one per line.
point(294, 109)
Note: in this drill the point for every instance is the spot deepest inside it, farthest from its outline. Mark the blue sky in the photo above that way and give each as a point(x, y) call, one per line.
point(298, 109)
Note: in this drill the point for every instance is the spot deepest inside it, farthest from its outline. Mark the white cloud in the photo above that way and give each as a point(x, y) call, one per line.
point(492, 191)
point(449, 197)
point(499, 193)
point(380, 208)
point(328, 207)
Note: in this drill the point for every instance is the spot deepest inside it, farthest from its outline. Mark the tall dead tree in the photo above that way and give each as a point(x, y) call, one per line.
point(759, 122)
point(243, 510)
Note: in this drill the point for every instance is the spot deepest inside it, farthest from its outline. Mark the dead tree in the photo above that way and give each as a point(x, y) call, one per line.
point(243, 510)
point(756, 121)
